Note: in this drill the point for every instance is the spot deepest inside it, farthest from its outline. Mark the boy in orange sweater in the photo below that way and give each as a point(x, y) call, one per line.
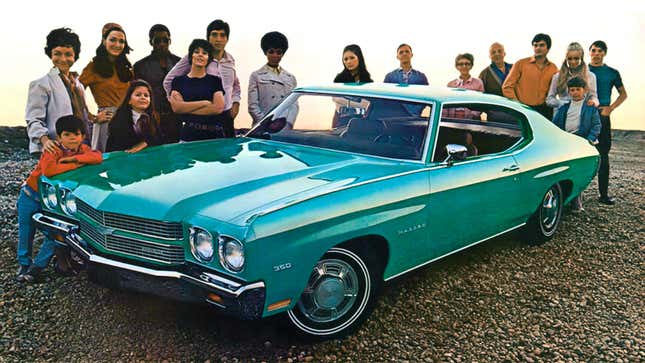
point(70, 154)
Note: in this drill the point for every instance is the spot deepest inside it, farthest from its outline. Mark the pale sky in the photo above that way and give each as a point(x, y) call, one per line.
point(319, 30)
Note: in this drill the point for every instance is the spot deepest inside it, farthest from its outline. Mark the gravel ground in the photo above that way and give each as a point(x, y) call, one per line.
point(577, 298)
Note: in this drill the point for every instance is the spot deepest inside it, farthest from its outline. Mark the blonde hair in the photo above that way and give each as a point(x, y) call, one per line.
point(567, 73)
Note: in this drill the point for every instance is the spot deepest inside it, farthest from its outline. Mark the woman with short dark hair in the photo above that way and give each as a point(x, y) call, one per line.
point(464, 63)
point(58, 93)
point(198, 97)
point(108, 75)
point(269, 85)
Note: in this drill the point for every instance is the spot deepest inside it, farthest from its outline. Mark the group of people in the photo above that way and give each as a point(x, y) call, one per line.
point(163, 98)
point(577, 97)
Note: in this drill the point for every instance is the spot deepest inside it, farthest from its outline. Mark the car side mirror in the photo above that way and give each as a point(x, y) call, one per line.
point(455, 152)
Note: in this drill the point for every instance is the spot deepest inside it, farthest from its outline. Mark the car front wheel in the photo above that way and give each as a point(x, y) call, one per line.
point(543, 224)
point(339, 295)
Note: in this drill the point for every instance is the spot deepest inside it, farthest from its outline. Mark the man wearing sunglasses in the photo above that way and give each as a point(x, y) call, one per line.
point(270, 84)
point(153, 69)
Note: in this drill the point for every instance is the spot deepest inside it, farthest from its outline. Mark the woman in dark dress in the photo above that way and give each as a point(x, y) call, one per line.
point(135, 125)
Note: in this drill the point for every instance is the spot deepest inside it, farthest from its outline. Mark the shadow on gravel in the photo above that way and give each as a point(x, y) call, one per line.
point(460, 261)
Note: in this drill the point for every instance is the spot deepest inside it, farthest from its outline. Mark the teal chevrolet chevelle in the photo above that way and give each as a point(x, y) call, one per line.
point(338, 189)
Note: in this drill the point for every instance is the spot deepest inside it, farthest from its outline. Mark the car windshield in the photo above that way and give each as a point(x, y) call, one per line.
point(366, 125)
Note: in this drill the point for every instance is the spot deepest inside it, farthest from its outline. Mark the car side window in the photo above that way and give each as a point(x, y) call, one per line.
point(484, 129)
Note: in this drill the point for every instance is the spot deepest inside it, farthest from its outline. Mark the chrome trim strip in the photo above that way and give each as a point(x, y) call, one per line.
point(214, 303)
point(221, 279)
point(551, 172)
point(139, 256)
point(455, 251)
point(145, 234)
point(61, 226)
point(73, 240)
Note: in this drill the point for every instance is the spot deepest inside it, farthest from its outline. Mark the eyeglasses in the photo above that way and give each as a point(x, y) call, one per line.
point(158, 41)
point(573, 58)
point(275, 51)
point(464, 64)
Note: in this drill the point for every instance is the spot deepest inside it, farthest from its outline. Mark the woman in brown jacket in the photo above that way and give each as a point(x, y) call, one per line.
point(108, 76)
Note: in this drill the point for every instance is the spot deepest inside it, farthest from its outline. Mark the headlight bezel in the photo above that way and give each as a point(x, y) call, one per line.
point(66, 196)
point(222, 242)
point(49, 195)
point(194, 232)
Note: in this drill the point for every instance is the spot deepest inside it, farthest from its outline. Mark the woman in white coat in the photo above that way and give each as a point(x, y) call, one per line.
point(271, 84)
point(58, 93)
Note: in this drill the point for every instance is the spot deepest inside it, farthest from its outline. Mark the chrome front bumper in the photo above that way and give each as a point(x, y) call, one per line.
point(245, 300)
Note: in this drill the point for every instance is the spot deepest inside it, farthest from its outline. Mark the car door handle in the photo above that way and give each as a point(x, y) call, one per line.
point(511, 168)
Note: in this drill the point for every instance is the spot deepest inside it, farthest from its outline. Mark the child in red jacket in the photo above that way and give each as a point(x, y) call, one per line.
point(69, 153)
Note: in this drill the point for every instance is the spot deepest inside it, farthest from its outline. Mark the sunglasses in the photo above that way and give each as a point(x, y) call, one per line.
point(161, 40)
point(463, 64)
point(275, 51)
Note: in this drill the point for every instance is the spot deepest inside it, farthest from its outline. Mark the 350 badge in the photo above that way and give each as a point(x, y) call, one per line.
point(282, 267)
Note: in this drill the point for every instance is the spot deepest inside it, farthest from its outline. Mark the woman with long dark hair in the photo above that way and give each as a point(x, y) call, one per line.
point(354, 68)
point(108, 75)
point(135, 124)
point(354, 71)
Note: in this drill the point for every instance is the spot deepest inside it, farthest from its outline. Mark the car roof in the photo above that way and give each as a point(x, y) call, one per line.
point(415, 92)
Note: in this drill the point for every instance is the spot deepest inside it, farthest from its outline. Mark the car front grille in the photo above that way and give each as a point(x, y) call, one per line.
point(169, 254)
point(148, 227)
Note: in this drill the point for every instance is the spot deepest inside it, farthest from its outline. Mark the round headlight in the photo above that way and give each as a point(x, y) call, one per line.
point(49, 196)
point(67, 201)
point(201, 244)
point(231, 253)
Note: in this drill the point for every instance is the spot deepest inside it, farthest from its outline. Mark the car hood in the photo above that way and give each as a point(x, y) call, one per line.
point(228, 179)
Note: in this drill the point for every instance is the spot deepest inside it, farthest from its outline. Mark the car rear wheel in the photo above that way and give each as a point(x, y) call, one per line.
point(545, 221)
point(339, 295)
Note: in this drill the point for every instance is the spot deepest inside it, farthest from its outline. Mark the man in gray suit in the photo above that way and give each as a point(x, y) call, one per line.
point(270, 84)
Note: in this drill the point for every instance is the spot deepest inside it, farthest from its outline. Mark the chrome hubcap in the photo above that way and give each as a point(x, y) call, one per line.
point(331, 291)
point(549, 210)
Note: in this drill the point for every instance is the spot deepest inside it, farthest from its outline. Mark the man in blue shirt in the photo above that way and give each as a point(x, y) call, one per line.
point(606, 79)
point(405, 74)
